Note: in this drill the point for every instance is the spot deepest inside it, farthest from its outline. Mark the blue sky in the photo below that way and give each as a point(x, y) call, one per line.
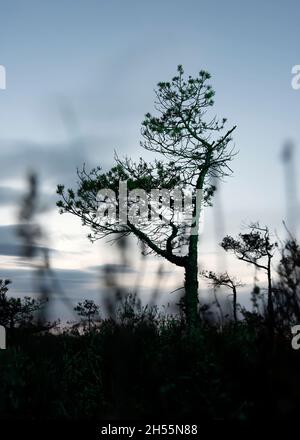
point(80, 77)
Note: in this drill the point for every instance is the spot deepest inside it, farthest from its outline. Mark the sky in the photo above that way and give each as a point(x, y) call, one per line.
point(80, 77)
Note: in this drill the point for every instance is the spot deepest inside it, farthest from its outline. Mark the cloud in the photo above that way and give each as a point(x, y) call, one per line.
point(116, 268)
point(12, 250)
point(8, 233)
point(10, 244)
point(52, 162)
point(9, 195)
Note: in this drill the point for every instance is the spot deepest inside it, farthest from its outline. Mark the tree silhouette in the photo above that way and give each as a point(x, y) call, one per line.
point(255, 248)
point(224, 279)
point(195, 150)
point(287, 288)
point(16, 312)
point(89, 311)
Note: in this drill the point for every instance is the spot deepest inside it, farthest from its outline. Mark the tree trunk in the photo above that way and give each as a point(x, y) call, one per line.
point(270, 305)
point(234, 304)
point(191, 283)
